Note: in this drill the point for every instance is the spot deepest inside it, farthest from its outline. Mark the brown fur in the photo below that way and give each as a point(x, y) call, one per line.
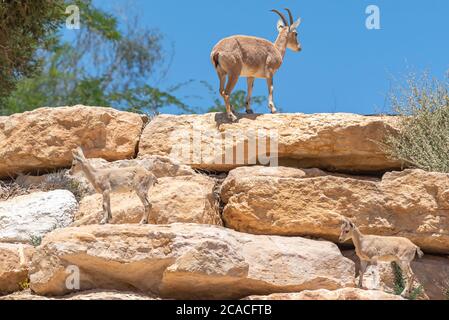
point(252, 57)
point(371, 249)
point(106, 181)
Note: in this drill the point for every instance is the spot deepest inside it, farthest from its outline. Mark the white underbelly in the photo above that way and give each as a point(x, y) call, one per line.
point(252, 73)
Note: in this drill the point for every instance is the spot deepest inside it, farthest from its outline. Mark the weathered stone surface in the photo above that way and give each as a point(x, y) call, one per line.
point(84, 295)
point(323, 294)
point(286, 201)
point(14, 260)
point(432, 275)
point(43, 138)
point(188, 199)
point(36, 214)
point(186, 261)
point(335, 142)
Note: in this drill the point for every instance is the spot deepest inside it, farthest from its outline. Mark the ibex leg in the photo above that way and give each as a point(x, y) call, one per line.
point(232, 81)
point(250, 82)
point(270, 95)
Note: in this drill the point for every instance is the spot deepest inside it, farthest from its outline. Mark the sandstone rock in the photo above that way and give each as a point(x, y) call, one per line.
point(323, 294)
point(189, 199)
point(14, 260)
point(335, 142)
point(36, 214)
point(85, 295)
point(281, 201)
point(432, 275)
point(43, 138)
point(186, 261)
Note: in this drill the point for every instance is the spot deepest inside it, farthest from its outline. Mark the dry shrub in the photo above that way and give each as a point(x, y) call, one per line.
point(11, 189)
point(423, 138)
point(25, 184)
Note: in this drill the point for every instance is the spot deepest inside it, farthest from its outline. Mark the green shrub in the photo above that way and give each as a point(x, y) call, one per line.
point(399, 283)
point(423, 138)
point(35, 241)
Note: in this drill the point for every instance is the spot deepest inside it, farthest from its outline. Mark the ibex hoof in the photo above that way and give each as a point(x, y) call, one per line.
point(405, 294)
point(144, 221)
point(274, 111)
point(249, 111)
point(104, 221)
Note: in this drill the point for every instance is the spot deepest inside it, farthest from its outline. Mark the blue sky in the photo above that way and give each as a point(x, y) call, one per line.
point(343, 67)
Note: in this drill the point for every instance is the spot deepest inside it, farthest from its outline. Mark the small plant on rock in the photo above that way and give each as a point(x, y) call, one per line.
point(24, 285)
point(10, 189)
point(446, 292)
point(35, 241)
point(399, 283)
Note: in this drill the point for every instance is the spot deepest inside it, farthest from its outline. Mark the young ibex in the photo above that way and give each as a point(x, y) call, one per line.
point(105, 181)
point(251, 57)
point(372, 249)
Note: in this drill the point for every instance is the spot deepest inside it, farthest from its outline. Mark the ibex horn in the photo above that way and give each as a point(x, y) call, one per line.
point(290, 16)
point(282, 16)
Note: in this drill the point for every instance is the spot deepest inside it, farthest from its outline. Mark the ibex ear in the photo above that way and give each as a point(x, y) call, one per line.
point(80, 152)
point(77, 155)
point(295, 25)
point(280, 25)
point(345, 221)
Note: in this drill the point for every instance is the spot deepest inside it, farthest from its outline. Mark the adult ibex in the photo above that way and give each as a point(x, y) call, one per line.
point(251, 57)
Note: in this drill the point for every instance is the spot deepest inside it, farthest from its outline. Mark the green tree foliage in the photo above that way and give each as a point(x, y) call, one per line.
point(105, 65)
point(423, 138)
point(25, 26)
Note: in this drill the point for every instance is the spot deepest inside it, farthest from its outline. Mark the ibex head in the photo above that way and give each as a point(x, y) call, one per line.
point(78, 158)
point(292, 41)
point(347, 228)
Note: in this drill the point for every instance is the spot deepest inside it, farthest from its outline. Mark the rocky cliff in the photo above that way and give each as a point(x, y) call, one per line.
point(250, 209)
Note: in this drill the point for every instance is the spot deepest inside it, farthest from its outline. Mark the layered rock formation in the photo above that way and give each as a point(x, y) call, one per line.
point(286, 218)
point(189, 199)
point(42, 139)
point(14, 260)
point(186, 261)
point(336, 142)
point(286, 201)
